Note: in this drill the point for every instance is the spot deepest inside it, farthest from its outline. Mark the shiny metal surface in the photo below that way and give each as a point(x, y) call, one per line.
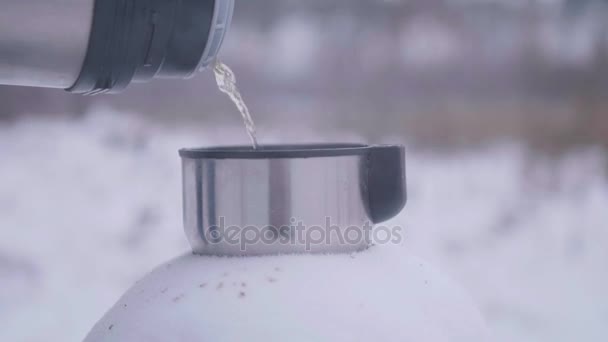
point(43, 42)
point(219, 193)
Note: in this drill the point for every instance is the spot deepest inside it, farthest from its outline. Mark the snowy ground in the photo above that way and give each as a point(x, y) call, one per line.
point(87, 207)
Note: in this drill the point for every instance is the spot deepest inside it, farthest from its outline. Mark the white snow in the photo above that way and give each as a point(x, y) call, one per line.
point(380, 294)
point(89, 206)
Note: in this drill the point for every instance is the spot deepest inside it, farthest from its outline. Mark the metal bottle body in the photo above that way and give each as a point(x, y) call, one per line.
point(43, 43)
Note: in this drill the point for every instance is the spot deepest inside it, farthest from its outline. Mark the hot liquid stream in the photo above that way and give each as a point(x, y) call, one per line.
point(226, 82)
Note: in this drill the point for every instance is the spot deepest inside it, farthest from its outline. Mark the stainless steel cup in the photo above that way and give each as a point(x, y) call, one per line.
point(289, 199)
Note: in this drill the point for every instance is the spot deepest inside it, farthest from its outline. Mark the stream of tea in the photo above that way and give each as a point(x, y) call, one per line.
point(226, 82)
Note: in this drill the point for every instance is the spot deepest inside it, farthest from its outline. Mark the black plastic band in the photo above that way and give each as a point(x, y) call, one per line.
point(275, 151)
point(137, 40)
point(189, 38)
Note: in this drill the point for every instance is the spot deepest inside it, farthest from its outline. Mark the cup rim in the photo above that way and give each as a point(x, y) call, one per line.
point(276, 151)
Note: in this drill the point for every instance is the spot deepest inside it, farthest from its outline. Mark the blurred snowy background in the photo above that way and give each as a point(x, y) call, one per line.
point(503, 105)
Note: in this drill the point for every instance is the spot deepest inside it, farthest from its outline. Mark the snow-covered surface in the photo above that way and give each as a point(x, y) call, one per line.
point(89, 206)
point(379, 294)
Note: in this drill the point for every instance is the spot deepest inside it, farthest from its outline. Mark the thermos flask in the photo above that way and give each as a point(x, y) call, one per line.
point(99, 46)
